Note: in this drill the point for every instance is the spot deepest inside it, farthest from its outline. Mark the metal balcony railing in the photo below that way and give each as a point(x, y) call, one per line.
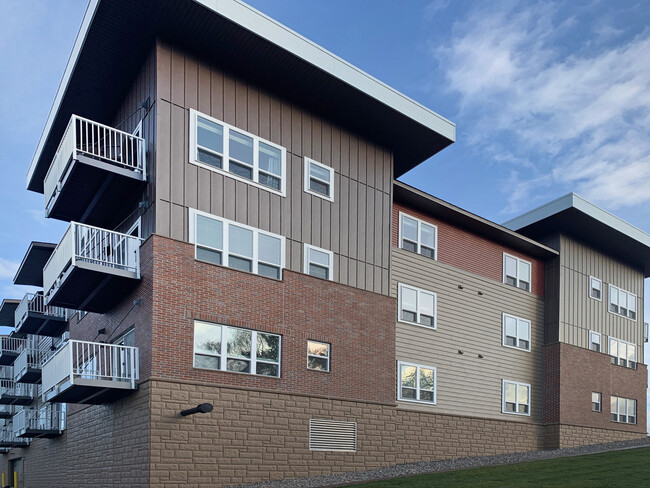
point(29, 359)
point(87, 244)
point(8, 387)
point(11, 346)
point(92, 364)
point(97, 141)
point(35, 302)
point(47, 418)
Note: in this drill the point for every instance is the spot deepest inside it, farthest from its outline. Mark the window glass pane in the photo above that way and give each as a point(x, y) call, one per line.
point(408, 376)
point(426, 396)
point(268, 347)
point(409, 229)
point(317, 348)
point(631, 303)
point(241, 170)
point(208, 255)
point(318, 257)
point(319, 187)
point(267, 369)
point(209, 232)
point(319, 172)
point(409, 299)
point(408, 393)
point(613, 347)
point(270, 159)
point(209, 134)
point(511, 266)
point(622, 406)
point(319, 364)
point(613, 295)
point(319, 271)
point(426, 379)
point(595, 397)
point(524, 271)
point(238, 366)
point(268, 271)
point(427, 304)
point(428, 252)
point(409, 246)
point(408, 316)
point(269, 249)
point(631, 352)
point(511, 326)
point(622, 299)
point(612, 404)
point(428, 234)
point(269, 180)
point(522, 394)
point(524, 330)
point(209, 158)
point(210, 362)
point(631, 407)
point(510, 392)
point(240, 263)
point(241, 147)
point(240, 241)
point(207, 338)
point(238, 342)
point(426, 320)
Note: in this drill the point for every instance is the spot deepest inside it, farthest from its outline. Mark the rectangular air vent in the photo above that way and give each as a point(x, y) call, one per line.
point(332, 435)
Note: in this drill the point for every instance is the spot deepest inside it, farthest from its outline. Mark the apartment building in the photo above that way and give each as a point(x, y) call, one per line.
point(238, 237)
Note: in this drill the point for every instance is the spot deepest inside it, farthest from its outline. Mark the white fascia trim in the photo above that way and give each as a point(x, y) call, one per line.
point(63, 86)
point(301, 47)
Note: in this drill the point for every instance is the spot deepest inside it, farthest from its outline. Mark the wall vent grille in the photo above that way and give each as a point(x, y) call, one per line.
point(332, 435)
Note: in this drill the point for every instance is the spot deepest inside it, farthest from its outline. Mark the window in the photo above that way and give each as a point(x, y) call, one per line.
point(622, 353)
point(623, 410)
point(595, 341)
point(595, 288)
point(318, 356)
point(516, 332)
point(416, 306)
point(516, 398)
point(622, 302)
point(418, 236)
point(596, 401)
point(319, 179)
point(236, 153)
point(416, 383)
point(235, 245)
point(318, 262)
point(516, 272)
point(238, 350)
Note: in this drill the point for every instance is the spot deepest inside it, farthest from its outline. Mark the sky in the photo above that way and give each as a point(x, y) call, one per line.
point(548, 97)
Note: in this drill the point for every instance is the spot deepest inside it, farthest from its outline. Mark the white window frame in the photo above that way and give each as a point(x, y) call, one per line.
point(223, 356)
point(519, 320)
point(224, 170)
point(622, 361)
point(519, 261)
point(616, 417)
point(329, 169)
point(418, 244)
point(599, 403)
point(503, 398)
point(329, 353)
point(591, 288)
point(306, 261)
point(627, 294)
point(592, 335)
point(417, 383)
point(419, 291)
point(225, 251)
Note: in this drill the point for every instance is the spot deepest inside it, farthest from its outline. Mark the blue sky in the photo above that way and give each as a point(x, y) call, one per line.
point(548, 97)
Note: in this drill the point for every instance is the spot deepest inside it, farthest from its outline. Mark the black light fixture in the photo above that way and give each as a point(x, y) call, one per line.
point(203, 408)
point(101, 331)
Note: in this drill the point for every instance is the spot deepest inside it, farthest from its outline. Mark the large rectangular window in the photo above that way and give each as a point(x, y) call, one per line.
point(221, 147)
point(222, 241)
point(622, 302)
point(418, 236)
point(416, 306)
point(516, 332)
point(516, 398)
point(623, 410)
point(516, 272)
point(622, 353)
point(237, 350)
point(416, 383)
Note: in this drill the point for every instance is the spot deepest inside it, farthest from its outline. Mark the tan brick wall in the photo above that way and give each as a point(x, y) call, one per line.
point(561, 436)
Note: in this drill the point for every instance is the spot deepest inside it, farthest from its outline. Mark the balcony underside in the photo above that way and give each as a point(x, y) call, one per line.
point(87, 391)
point(5, 414)
point(92, 287)
point(8, 399)
point(42, 324)
point(29, 432)
point(17, 442)
point(8, 357)
point(95, 192)
point(30, 375)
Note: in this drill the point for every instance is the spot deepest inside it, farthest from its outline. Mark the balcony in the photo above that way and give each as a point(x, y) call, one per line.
point(34, 317)
point(6, 411)
point(91, 269)
point(8, 438)
point(27, 367)
point(90, 372)
point(12, 393)
point(96, 173)
point(46, 421)
point(10, 348)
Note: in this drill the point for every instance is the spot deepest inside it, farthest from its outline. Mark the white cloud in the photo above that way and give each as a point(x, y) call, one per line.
point(580, 118)
point(8, 269)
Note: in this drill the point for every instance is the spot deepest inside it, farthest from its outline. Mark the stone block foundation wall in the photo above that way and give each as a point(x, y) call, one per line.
point(561, 436)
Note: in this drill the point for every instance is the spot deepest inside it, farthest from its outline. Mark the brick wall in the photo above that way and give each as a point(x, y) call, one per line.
point(562, 436)
point(469, 251)
point(359, 325)
point(551, 383)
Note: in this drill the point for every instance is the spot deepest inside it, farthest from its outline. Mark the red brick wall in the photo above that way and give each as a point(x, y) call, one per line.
point(470, 252)
point(551, 383)
point(358, 324)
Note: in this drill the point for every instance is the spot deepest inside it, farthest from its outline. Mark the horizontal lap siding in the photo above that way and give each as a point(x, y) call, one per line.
point(356, 227)
point(472, 323)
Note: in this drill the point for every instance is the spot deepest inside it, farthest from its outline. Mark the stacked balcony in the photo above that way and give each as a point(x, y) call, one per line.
point(13, 393)
point(8, 438)
point(96, 173)
point(10, 348)
point(90, 372)
point(34, 317)
point(27, 367)
point(46, 421)
point(6, 411)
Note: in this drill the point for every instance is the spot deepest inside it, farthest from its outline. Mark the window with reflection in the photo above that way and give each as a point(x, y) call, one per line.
point(318, 356)
point(319, 179)
point(417, 383)
point(516, 332)
point(623, 410)
point(416, 306)
point(318, 262)
point(234, 349)
point(418, 236)
point(516, 398)
point(516, 272)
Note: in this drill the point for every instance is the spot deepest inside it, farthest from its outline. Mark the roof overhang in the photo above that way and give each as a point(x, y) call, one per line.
point(576, 217)
point(8, 312)
point(117, 35)
point(438, 208)
point(30, 271)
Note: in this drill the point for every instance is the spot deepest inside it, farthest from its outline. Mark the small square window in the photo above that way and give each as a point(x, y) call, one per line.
point(596, 401)
point(319, 262)
point(516, 398)
point(318, 356)
point(416, 383)
point(595, 288)
point(418, 236)
point(416, 306)
point(319, 179)
point(516, 332)
point(516, 272)
point(595, 341)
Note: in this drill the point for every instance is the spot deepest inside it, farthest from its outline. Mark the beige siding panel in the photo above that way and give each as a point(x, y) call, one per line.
point(163, 218)
point(373, 227)
point(276, 213)
point(305, 215)
point(285, 128)
point(362, 162)
point(216, 192)
point(336, 149)
point(295, 203)
point(191, 186)
point(163, 156)
point(178, 222)
point(344, 270)
point(354, 159)
point(353, 235)
point(296, 256)
point(361, 222)
point(335, 216)
point(241, 201)
point(241, 104)
point(229, 198)
point(204, 176)
point(316, 221)
point(276, 121)
point(345, 153)
point(344, 200)
point(178, 145)
point(325, 238)
point(253, 217)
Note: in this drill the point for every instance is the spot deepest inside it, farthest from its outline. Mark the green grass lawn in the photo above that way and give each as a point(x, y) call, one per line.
point(610, 469)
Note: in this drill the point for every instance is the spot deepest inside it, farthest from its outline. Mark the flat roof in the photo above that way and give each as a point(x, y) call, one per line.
point(30, 271)
point(8, 312)
point(576, 217)
point(115, 37)
point(457, 216)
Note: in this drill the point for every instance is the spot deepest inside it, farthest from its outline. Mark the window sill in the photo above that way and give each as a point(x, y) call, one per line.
point(238, 373)
point(416, 402)
point(516, 348)
point(429, 327)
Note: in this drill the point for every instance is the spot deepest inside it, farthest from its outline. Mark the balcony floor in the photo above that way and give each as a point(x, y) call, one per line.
point(31, 375)
point(96, 192)
point(6, 399)
point(48, 433)
point(8, 357)
point(91, 392)
point(18, 442)
point(5, 415)
point(41, 324)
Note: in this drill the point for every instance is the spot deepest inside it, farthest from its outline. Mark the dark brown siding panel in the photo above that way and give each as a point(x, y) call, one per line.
point(191, 83)
point(177, 78)
point(204, 86)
